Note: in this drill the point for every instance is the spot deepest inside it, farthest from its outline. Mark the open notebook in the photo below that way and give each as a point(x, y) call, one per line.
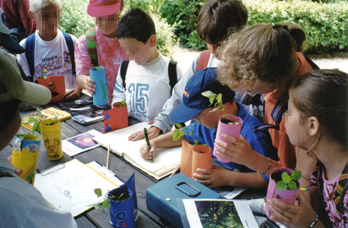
point(164, 163)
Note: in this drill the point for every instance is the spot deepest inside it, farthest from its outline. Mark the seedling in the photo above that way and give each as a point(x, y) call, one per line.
point(179, 132)
point(105, 204)
point(288, 182)
point(215, 100)
point(36, 121)
point(123, 103)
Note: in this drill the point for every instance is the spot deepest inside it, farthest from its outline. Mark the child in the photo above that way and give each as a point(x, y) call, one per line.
point(216, 19)
point(21, 204)
point(316, 121)
point(99, 46)
point(147, 83)
point(204, 130)
point(49, 49)
point(261, 59)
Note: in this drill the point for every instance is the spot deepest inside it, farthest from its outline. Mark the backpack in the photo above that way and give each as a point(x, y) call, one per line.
point(282, 105)
point(203, 60)
point(30, 48)
point(171, 72)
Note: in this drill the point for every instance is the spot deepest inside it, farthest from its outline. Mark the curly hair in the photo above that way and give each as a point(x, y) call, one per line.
point(260, 53)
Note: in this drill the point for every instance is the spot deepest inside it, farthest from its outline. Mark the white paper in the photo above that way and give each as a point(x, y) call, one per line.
point(70, 186)
point(231, 194)
point(165, 161)
point(242, 208)
point(80, 143)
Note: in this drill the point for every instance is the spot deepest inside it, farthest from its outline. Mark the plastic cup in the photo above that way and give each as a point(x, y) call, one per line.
point(100, 97)
point(50, 131)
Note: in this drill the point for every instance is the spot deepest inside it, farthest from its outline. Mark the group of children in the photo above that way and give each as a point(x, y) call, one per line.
point(305, 110)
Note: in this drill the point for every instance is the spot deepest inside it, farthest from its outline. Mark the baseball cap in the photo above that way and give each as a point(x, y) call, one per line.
point(5, 39)
point(102, 8)
point(12, 86)
point(193, 100)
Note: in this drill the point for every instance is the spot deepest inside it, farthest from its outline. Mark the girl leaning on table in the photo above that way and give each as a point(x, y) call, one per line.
point(316, 122)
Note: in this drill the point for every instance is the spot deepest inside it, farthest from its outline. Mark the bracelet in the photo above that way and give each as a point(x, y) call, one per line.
point(306, 179)
point(269, 167)
point(316, 218)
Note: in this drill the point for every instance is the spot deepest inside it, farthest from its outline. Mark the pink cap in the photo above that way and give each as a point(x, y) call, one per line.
point(102, 8)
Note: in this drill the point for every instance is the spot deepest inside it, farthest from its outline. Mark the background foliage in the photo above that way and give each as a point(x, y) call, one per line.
point(324, 21)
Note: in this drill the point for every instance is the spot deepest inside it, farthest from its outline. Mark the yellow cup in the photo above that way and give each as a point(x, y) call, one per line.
point(50, 132)
point(25, 153)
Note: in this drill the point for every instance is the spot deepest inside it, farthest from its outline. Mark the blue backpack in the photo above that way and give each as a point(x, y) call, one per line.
point(30, 48)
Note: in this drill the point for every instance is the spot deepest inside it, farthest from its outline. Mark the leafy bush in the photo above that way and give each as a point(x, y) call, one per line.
point(182, 14)
point(74, 18)
point(326, 25)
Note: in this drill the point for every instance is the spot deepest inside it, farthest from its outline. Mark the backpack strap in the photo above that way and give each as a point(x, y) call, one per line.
point(341, 190)
point(91, 41)
point(277, 114)
point(313, 65)
point(70, 44)
point(173, 79)
point(29, 47)
point(123, 71)
point(203, 60)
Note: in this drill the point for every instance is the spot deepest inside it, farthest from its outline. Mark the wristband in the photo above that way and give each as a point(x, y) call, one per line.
point(316, 218)
point(269, 167)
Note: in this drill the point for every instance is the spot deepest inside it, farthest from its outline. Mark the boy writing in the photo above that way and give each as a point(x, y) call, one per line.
point(99, 46)
point(21, 204)
point(204, 130)
point(215, 20)
point(49, 51)
point(146, 85)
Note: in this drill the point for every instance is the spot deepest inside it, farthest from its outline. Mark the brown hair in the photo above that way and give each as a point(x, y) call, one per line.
point(218, 18)
point(323, 94)
point(259, 53)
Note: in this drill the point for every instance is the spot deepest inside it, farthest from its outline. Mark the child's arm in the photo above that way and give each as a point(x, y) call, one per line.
point(219, 176)
point(118, 94)
point(163, 141)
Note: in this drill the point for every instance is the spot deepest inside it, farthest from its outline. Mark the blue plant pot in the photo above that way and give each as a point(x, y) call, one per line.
point(122, 213)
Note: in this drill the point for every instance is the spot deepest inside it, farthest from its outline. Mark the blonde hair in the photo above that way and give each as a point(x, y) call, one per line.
point(259, 53)
point(36, 5)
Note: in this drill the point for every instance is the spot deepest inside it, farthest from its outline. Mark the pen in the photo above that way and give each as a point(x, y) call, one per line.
point(107, 157)
point(147, 142)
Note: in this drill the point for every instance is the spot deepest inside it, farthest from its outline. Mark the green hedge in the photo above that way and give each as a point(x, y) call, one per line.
point(326, 25)
point(75, 20)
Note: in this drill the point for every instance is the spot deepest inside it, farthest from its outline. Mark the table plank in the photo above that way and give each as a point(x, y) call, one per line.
point(83, 222)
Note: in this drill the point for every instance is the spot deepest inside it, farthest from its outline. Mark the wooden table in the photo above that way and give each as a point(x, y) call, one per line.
point(123, 170)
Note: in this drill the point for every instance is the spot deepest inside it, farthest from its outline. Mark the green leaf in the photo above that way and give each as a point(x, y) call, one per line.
point(292, 185)
point(177, 134)
point(296, 175)
point(209, 94)
point(106, 204)
point(123, 103)
point(178, 125)
point(285, 177)
point(281, 185)
point(98, 192)
point(219, 100)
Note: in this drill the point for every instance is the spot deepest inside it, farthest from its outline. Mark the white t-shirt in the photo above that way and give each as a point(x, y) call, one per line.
point(22, 205)
point(51, 55)
point(147, 88)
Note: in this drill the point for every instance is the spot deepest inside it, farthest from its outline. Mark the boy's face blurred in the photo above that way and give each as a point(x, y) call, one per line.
point(138, 51)
point(108, 24)
point(208, 118)
point(47, 20)
point(214, 49)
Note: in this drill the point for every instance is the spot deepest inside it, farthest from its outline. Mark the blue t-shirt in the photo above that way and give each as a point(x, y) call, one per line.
point(260, 141)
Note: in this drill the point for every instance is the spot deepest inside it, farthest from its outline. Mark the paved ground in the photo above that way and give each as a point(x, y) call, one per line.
point(185, 57)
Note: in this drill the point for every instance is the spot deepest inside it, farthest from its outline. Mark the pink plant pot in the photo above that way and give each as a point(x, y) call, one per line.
point(286, 196)
point(232, 130)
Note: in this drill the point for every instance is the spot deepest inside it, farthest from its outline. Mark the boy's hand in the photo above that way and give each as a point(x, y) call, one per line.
point(72, 94)
point(210, 177)
point(17, 171)
point(152, 132)
point(300, 215)
point(147, 155)
point(238, 150)
point(89, 85)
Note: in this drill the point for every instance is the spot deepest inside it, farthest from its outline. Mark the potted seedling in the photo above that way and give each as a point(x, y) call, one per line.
point(283, 185)
point(116, 118)
point(56, 84)
point(194, 155)
point(121, 203)
point(228, 124)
